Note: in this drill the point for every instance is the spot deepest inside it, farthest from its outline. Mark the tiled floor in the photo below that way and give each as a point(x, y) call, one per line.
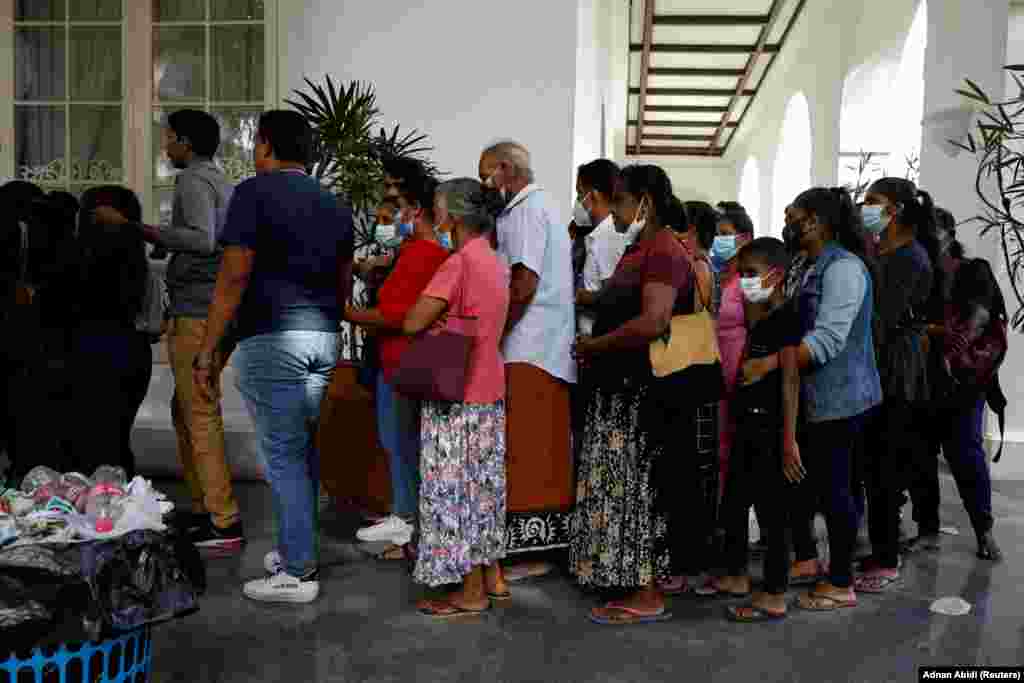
point(364, 627)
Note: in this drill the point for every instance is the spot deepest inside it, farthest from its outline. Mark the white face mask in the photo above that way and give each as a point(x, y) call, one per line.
point(580, 215)
point(385, 232)
point(638, 223)
point(754, 290)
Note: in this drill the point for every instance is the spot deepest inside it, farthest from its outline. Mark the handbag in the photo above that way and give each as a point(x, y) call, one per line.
point(689, 340)
point(435, 366)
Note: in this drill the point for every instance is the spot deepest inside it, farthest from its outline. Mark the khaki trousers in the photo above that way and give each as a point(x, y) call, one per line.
point(200, 425)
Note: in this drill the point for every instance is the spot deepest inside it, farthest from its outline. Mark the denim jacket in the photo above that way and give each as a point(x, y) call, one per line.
point(844, 380)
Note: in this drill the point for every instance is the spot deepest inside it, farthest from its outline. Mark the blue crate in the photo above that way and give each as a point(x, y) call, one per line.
point(124, 659)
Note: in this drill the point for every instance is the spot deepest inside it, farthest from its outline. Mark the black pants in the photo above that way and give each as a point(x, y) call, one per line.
point(112, 369)
point(756, 478)
point(827, 450)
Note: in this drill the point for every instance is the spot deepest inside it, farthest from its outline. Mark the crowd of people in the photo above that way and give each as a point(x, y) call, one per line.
point(690, 371)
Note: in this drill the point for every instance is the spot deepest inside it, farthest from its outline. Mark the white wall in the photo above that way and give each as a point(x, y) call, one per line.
point(466, 73)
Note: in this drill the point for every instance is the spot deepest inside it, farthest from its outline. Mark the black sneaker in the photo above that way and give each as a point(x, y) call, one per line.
point(209, 535)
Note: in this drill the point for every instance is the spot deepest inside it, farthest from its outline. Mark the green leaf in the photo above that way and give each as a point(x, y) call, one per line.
point(970, 95)
point(979, 91)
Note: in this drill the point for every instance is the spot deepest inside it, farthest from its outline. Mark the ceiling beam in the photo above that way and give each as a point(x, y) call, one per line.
point(680, 124)
point(716, 49)
point(681, 138)
point(690, 92)
point(710, 19)
point(633, 150)
point(645, 64)
point(782, 41)
point(711, 73)
point(748, 71)
point(686, 109)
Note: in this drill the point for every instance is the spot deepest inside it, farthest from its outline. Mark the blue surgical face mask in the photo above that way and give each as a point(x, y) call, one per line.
point(723, 249)
point(875, 219)
point(405, 229)
point(445, 238)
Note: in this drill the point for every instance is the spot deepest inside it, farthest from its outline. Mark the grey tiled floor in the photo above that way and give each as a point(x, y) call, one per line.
point(364, 627)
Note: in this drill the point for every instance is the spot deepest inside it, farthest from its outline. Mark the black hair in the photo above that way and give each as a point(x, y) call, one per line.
point(769, 250)
point(705, 219)
point(733, 212)
point(116, 196)
point(599, 175)
point(679, 219)
point(975, 283)
point(404, 169)
point(916, 211)
point(419, 191)
point(651, 180)
point(288, 134)
point(834, 208)
point(944, 221)
point(113, 264)
point(16, 199)
point(197, 128)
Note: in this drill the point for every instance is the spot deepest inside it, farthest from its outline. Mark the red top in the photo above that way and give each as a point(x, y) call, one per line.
point(418, 260)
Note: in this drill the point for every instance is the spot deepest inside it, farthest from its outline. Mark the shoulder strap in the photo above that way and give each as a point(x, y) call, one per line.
point(996, 400)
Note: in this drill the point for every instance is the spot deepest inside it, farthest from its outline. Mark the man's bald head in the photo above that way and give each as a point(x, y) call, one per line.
point(509, 154)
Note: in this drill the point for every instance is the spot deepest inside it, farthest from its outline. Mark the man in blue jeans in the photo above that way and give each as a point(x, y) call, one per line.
point(285, 277)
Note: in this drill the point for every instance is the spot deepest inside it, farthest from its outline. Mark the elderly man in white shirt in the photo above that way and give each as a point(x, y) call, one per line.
point(541, 328)
point(595, 187)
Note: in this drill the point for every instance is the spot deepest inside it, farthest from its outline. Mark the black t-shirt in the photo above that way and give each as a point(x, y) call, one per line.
point(780, 329)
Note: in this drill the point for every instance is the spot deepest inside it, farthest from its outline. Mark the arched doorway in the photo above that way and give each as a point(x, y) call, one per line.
point(792, 170)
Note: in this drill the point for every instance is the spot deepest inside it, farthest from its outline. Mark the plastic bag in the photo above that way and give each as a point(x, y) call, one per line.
point(140, 511)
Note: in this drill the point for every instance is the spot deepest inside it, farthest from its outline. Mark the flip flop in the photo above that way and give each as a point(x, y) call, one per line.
point(527, 570)
point(810, 579)
point(507, 595)
point(394, 553)
point(446, 610)
point(819, 602)
point(713, 592)
point(874, 583)
point(674, 587)
point(635, 616)
point(756, 615)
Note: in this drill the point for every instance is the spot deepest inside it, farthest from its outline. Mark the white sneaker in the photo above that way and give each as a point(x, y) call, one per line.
point(283, 587)
point(391, 529)
point(272, 563)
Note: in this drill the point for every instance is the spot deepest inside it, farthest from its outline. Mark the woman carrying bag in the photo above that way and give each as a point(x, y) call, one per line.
point(462, 456)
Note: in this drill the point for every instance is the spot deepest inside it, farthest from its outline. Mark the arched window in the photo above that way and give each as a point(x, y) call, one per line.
point(906, 149)
point(750, 191)
point(792, 171)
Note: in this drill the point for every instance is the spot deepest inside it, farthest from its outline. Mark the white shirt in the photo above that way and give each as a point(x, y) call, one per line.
point(605, 247)
point(530, 235)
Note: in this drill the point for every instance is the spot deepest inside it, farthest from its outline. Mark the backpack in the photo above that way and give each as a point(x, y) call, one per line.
point(152, 319)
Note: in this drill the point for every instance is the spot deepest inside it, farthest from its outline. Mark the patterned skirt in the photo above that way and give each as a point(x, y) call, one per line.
point(462, 490)
point(618, 536)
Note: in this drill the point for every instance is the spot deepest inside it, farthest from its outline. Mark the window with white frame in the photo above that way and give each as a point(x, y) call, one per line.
point(92, 81)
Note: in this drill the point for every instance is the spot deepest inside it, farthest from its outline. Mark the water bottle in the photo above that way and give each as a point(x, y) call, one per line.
point(104, 504)
point(8, 529)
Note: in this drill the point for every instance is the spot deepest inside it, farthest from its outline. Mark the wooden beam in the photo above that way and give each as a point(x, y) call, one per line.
point(782, 41)
point(748, 71)
point(680, 124)
point(633, 150)
point(685, 109)
point(714, 49)
point(710, 19)
point(710, 73)
point(645, 64)
point(689, 92)
point(687, 138)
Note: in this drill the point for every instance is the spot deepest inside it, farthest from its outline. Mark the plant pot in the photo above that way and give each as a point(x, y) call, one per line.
point(353, 465)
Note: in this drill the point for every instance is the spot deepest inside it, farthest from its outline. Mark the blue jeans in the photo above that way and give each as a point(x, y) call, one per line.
point(398, 425)
point(283, 377)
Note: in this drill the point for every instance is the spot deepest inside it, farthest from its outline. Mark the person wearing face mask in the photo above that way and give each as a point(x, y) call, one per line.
point(398, 417)
point(623, 440)
point(763, 422)
point(839, 389)
point(734, 230)
point(903, 218)
point(539, 332)
point(595, 185)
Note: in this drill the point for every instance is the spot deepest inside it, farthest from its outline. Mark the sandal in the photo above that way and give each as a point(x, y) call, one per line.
point(809, 579)
point(713, 590)
point(878, 581)
point(751, 614)
point(393, 553)
point(633, 616)
point(507, 595)
point(820, 602)
point(438, 609)
point(677, 585)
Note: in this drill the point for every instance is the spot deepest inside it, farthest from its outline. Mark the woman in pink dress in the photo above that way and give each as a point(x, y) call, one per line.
point(734, 230)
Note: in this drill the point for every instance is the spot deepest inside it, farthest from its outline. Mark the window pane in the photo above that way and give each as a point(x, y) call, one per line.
point(238, 58)
point(95, 10)
point(39, 143)
point(39, 63)
point(96, 144)
point(236, 10)
point(96, 63)
point(39, 10)
point(163, 171)
point(237, 131)
point(178, 68)
point(179, 10)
